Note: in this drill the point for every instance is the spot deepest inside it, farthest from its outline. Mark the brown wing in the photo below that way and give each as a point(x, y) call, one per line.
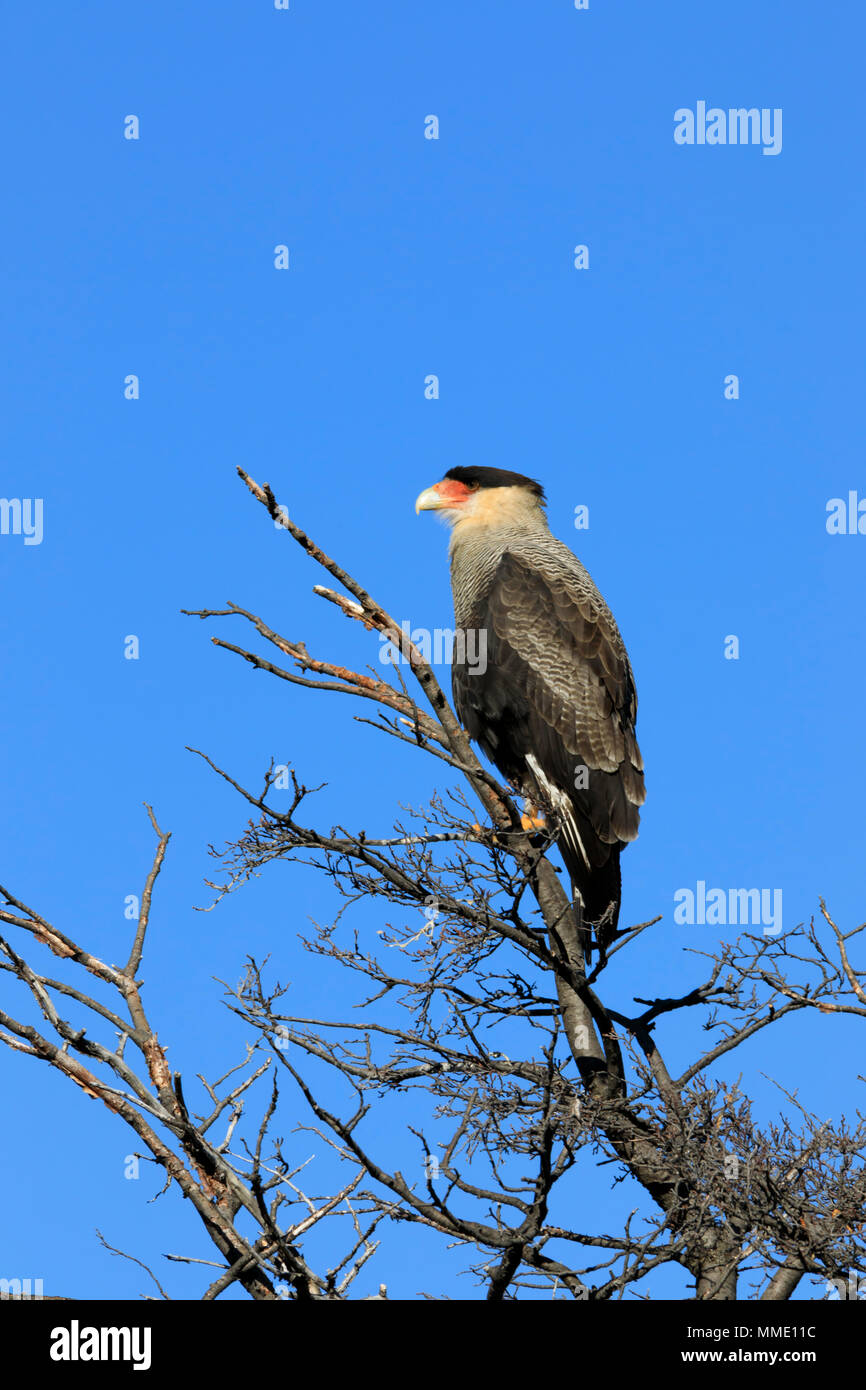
point(558, 692)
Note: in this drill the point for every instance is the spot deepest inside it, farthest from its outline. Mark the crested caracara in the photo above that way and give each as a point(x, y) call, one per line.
point(550, 697)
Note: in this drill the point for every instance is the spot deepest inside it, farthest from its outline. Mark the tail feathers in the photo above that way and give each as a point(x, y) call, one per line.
point(592, 860)
point(597, 892)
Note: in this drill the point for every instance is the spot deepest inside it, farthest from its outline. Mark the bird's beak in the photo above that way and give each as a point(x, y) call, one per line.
point(429, 501)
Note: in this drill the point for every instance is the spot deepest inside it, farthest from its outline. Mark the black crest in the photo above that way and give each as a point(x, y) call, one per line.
point(494, 477)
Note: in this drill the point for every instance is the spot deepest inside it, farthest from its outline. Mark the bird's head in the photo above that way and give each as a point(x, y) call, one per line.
point(483, 497)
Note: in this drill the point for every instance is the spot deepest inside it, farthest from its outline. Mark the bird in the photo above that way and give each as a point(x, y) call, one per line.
point(542, 681)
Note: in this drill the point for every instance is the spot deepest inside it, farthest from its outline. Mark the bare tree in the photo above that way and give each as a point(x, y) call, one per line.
point(485, 945)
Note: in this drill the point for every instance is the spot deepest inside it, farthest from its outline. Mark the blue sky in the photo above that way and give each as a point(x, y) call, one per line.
point(409, 256)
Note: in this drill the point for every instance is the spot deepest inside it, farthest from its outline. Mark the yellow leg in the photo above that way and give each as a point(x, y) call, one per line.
point(532, 818)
